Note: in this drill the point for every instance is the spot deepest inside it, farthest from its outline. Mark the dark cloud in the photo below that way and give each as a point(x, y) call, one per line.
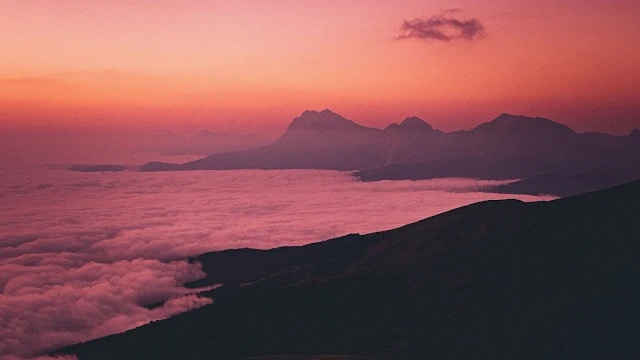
point(442, 27)
point(80, 257)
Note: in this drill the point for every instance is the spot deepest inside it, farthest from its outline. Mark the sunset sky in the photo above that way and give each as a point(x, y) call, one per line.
point(254, 65)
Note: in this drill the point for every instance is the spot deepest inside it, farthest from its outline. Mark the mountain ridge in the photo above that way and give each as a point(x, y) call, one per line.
point(326, 140)
point(495, 279)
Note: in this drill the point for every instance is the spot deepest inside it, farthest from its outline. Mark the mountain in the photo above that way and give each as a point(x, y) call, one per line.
point(326, 140)
point(492, 280)
point(518, 124)
point(471, 167)
point(612, 142)
point(324, 121)
point(410, 124)
point(549, 158)
point(508, 147)
point(314, 140)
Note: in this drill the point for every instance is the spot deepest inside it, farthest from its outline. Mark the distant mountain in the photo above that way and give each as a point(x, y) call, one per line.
point(324, 140)
point(551, 159)
point(324, 121)
point(204, 143)
point(492, 280)
point(523, 125)
point(612, 142)
point(316, 140)
point(410, 124)
point(510, 146)
point(471, 167)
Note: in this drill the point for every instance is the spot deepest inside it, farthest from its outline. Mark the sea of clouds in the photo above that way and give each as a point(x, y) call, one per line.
point(82, 253)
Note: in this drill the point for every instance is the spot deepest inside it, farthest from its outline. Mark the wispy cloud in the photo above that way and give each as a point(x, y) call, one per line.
point(442, 27)
point(63, 77)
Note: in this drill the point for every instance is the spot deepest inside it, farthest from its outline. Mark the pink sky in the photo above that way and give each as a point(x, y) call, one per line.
point(254, 65)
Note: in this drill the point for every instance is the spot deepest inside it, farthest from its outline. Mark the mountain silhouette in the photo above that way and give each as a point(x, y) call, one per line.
point(325, 120)
point(518, 124)
point(410, 124)
point(508, 147)
point(326, 140)
point(492, 280)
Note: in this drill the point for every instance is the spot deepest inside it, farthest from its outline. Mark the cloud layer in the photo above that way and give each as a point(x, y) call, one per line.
point(82, 253)
point(442, 27)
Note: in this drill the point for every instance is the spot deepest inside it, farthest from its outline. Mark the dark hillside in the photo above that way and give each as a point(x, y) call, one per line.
point(497, 279)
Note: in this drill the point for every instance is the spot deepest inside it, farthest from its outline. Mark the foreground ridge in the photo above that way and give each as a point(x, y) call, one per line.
point(497, 279)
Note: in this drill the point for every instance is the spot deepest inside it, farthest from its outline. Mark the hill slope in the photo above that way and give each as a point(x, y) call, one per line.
point(497, 279)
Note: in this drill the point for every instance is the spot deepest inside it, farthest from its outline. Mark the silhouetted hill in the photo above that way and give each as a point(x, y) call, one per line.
point(410, 124)
point(325, 120)
point(314, 140)
point(481, 168)
point(492, 280)
point(518, 124)
point(612, 142)
point(325, 140)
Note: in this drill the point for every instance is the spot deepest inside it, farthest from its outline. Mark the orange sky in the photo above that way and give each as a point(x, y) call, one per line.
point(254, 65)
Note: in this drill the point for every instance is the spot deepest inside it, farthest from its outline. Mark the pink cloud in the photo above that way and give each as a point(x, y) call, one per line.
point(81, 256)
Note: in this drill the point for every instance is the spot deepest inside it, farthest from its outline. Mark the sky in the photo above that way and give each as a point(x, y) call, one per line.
point(252, 66)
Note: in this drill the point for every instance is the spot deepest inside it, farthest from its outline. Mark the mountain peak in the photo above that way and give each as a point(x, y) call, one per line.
point(634, 133)
point(415, 123)
point(412, 123)
point(508, 123)
point(323, 120)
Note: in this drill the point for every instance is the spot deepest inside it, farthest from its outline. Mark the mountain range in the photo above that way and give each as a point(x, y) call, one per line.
point(492, 280)
point(508, 147)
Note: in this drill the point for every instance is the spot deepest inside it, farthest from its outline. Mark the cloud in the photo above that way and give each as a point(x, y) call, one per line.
point(442, 27)
point(60, 357)
point(81, 257)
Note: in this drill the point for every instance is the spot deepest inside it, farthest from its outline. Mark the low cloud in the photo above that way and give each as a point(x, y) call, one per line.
point(82, 256)
point(60, 357)
point(443, 27)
